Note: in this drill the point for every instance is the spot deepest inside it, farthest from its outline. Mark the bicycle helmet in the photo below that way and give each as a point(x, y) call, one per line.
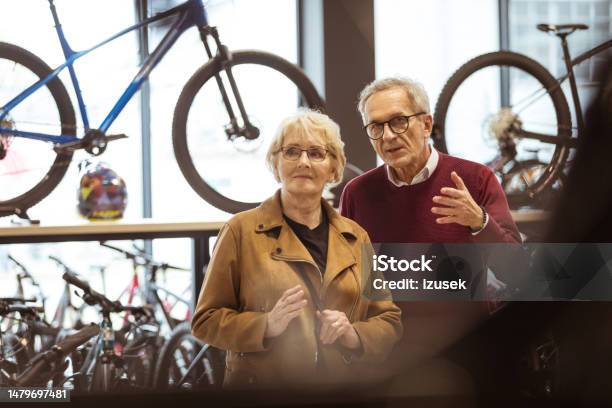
point(102, 193)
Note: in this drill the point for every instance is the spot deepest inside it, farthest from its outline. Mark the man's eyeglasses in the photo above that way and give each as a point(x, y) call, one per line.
point(397, 124)
point(293, 153)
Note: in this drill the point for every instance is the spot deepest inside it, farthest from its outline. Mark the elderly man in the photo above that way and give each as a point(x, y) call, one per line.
point(422, 195)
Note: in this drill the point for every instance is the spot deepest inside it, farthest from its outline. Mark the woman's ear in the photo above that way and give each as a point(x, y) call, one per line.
point(332, 177)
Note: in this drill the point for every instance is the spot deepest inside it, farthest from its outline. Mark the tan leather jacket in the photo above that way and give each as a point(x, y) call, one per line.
point(256, 258)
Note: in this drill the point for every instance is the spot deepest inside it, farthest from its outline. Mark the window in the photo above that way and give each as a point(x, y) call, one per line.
point(242, 24)
point(428, 40)
point(103, 75)
point(102, 78)
point(546, 49)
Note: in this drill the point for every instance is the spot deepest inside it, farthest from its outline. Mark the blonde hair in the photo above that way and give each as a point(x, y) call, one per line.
point(415, 91)
point(306, 121)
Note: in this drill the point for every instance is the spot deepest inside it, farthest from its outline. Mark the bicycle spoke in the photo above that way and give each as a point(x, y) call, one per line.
point(30, 169)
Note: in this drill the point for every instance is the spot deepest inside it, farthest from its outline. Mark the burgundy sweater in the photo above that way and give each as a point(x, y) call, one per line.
point(403, 214)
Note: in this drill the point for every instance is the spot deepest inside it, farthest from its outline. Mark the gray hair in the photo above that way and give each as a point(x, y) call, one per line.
point(415, 91)
point(309, 121)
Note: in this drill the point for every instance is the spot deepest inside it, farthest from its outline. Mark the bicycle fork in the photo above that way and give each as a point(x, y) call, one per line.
point(102, 377)
point(233, 130)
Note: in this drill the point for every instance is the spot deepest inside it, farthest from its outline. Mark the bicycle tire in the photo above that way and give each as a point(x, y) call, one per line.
point(140, 356)
point(67, 120)
point(12, 345)
point(309, 95)
point(166, 361)
point(537, 72)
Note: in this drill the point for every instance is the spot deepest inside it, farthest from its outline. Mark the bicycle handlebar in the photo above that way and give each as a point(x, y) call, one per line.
point(60, 263)
point(17, 300)
point(24, 270)
point(141, 255)
point(57, 261)
point(23, 309)
point(91, 296)
point(17, 263)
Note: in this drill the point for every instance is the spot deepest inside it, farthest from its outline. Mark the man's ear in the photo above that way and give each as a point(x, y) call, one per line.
point(428, 123)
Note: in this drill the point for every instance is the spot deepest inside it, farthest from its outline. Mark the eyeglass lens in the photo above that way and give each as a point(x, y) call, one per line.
point(313, 153)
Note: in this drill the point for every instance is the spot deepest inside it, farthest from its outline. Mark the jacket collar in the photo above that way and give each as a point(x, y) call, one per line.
point(270, 216)
point(289, 248)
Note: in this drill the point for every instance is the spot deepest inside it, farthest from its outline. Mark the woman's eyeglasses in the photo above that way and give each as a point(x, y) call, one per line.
point(293, 153)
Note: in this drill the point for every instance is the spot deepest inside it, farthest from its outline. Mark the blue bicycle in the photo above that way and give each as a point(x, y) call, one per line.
point(226, 109)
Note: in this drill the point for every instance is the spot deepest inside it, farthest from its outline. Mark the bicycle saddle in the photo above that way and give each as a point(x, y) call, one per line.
point(563, 29)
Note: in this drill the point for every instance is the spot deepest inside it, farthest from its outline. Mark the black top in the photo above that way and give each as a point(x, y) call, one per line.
point(315, 240)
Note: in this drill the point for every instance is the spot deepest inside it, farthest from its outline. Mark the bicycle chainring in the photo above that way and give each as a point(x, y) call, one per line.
point(94, 142)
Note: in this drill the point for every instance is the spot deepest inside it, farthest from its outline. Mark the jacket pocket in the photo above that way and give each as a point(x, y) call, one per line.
point(239, 373)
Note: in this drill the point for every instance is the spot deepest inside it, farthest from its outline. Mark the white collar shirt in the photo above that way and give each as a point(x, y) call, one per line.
point(421, 176)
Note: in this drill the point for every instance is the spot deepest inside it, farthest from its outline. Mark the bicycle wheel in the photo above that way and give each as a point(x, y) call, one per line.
point(30, 169)
point(140, 357)
point(505, 99)
point(13, 351)
point(231, 174)
point(174, 368)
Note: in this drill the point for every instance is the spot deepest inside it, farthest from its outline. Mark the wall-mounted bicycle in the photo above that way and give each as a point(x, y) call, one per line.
point(220, 113)
point(513, 104)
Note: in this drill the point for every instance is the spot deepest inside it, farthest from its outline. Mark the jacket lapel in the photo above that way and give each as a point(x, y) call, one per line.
point(288, 247)
point(340, 254)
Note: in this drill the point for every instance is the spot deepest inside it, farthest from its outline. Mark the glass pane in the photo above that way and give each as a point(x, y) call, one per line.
point(102, 78)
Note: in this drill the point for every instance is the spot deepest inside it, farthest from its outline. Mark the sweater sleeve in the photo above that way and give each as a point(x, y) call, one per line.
point(346, 205)
point(501, 227)
point(217, 320)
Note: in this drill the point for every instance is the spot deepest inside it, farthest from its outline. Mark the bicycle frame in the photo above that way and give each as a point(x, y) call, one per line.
point(191, 13)
point(153, 289)
point(570, 64)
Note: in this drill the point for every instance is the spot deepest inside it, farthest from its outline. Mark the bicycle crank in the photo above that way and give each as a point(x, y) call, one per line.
point(94, 142)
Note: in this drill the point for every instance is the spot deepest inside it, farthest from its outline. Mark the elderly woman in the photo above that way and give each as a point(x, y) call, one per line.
point(283, 290)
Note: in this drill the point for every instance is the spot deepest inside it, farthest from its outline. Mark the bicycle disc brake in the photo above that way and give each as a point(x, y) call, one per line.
point(246, 138)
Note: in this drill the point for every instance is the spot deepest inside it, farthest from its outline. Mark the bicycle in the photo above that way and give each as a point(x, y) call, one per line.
point(522, 113)
point(28, 125)
point(118, 359)
point(183, 362)
point(15, 368)
point(186, 363)
point(150, 292)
